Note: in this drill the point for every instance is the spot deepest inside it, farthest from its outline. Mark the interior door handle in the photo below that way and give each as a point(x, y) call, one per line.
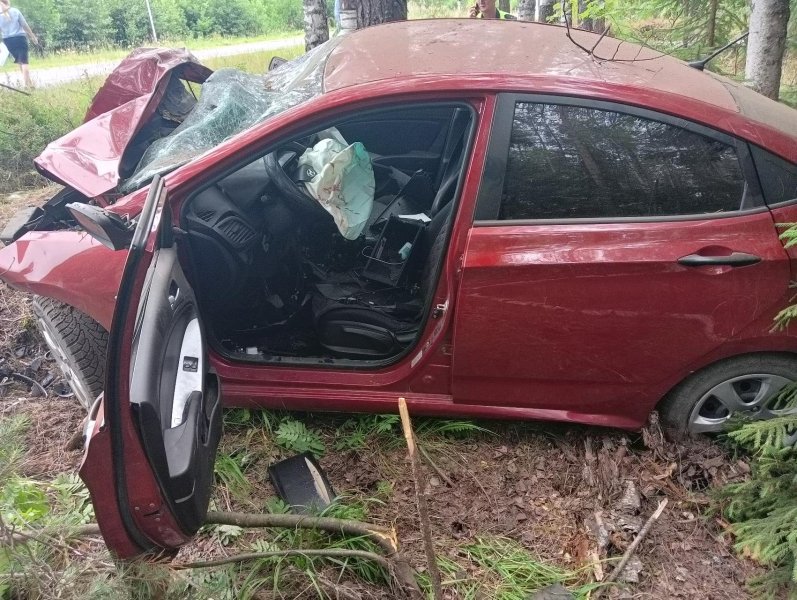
point(735, 259)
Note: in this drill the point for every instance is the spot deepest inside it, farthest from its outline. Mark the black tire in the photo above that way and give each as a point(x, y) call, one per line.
point(78, 344)
point(694, 406)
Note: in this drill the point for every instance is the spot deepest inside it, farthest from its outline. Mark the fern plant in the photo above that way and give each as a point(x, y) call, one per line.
point(295, 436)
point(763, 509)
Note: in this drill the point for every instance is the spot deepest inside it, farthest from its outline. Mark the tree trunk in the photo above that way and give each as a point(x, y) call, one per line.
point(766, 45)
point(582, 22)
point(374, 12)
point(545, 11)
point(316, 24)
point(712, 23)
point(503, 5)
point(525, 10)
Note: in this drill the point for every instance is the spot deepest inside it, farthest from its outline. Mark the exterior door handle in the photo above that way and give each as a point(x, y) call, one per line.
point(735, 259)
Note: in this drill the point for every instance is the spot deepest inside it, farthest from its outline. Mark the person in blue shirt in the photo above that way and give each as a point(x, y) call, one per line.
point(16, 32)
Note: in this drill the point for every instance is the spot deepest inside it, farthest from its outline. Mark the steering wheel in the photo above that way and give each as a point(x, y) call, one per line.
point(280, 165)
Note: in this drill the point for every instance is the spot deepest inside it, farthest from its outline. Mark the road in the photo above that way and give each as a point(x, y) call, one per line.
point(58, 75)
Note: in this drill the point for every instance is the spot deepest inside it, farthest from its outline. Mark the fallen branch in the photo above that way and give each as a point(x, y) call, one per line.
point(630, 550)
point(383, 537)
point(13, 89)
point(326, 553)
point(420, 499)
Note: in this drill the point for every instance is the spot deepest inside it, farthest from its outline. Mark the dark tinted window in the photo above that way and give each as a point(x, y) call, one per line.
point(778, 177)
point(572, 162)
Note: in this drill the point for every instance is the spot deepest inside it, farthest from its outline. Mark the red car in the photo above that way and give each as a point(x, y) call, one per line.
point(507, 226)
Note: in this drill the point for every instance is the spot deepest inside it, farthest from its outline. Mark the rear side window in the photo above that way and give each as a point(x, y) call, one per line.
point(569, 162)
point(778, 177)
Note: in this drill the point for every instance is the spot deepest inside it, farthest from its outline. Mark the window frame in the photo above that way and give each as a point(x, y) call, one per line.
point(756, 153)
point(488, 202)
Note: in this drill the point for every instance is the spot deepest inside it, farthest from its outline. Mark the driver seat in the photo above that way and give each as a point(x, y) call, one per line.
point(364, 323)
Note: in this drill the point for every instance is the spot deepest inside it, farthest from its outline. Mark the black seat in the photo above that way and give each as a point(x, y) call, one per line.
point(359, 320)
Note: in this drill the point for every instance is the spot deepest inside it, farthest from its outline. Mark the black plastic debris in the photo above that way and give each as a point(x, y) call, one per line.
point(302, 484)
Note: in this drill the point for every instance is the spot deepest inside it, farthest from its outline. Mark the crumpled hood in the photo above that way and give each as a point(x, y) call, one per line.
point(87, 159)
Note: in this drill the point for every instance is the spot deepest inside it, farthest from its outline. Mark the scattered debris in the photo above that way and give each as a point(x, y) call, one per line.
point(553, 592)
point(618, 570)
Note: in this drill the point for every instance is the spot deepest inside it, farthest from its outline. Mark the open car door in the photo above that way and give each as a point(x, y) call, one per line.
point(152, 439)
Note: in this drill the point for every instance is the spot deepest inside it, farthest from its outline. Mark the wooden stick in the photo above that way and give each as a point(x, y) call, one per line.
point(420, 499)
point(630, 550)
point(432, 464)
point(12, 88)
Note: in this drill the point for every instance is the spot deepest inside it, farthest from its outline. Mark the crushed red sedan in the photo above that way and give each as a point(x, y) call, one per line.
point(516, 230)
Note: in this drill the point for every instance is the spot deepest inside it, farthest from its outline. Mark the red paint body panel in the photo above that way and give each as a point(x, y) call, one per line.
point(600, 318)
point(69, 266)
point(87, 159)
point(140, 73)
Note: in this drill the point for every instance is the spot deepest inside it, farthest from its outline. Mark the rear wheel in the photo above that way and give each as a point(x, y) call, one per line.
point(749, 386)
point(78, 344)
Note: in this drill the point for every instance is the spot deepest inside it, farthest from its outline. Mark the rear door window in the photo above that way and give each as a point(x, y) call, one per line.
point(778, 177)
point(567, 162)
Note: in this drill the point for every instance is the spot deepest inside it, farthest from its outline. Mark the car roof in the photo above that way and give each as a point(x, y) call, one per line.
point(488, 50)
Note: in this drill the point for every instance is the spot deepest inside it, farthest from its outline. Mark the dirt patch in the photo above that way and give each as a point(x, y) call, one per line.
point(542, 486)
point(11, 203)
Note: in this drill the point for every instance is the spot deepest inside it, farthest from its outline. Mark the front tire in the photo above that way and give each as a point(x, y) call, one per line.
point(746, 386)
point(78, 344)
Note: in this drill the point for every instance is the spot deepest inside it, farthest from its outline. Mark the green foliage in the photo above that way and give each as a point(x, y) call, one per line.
point(428, 428)
point(89, 24)
point(507, 571)
point(72, 498)
point(356, 432)
point(12, 433)
point(229, 470)
point(29, 123)
point(295, 436)
point(23, 502)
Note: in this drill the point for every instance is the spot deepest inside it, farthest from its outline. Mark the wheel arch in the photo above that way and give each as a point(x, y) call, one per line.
point(692, 373)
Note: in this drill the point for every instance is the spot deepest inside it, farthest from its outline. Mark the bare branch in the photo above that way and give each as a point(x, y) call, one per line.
point(326, 553)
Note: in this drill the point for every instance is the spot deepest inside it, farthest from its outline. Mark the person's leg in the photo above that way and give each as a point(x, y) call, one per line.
point(26, 74)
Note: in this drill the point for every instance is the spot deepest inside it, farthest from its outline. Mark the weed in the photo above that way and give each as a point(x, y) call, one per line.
point(227, 534)
point(277, 506)
point(22, 502)
point(229, 470)
point(12, 432)
point(428, 428)
point(514, 572)
point(355, 433)
point(294, 435)
point(72, 497)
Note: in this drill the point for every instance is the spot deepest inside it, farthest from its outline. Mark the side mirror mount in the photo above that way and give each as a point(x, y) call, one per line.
point(109, 229)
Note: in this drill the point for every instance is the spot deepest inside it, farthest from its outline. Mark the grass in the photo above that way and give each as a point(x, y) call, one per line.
point(67, 58)
point(29, 123)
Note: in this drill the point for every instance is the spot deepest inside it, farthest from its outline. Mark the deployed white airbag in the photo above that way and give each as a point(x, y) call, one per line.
point(341, 178)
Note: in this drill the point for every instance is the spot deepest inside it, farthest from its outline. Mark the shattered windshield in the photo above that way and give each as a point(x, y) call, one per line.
point(231, 102)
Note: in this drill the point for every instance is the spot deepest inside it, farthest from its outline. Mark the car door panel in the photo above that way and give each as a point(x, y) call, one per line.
point(590, 317)
point(149, 458)
point(174, 399)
